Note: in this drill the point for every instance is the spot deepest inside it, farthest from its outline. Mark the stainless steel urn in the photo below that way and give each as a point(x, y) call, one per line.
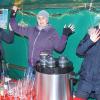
point(53, 83)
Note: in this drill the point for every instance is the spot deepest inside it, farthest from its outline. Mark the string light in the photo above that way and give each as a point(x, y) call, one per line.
point(71, 12)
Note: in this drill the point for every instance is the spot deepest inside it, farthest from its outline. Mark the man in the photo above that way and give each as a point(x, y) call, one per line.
point(89, 82)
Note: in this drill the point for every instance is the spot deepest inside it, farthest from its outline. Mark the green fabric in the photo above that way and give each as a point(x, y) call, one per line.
point(16, 53)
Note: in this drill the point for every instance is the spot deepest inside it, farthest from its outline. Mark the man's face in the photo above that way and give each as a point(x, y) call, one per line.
point(42, 21)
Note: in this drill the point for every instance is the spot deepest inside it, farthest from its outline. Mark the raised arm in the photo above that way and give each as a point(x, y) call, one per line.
point(88, 41)
point(23, 31)
point(60, 43)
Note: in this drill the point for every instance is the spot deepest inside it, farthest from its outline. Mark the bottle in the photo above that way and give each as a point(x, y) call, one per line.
point(50, 62)
point(43, 58)
point(62, 62)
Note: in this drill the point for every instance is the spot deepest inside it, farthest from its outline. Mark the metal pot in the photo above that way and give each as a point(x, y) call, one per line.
point(53, 83)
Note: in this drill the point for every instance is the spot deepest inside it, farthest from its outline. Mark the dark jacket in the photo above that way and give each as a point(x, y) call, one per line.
point(90, 69)
point(40, 40)
point(8, 38)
